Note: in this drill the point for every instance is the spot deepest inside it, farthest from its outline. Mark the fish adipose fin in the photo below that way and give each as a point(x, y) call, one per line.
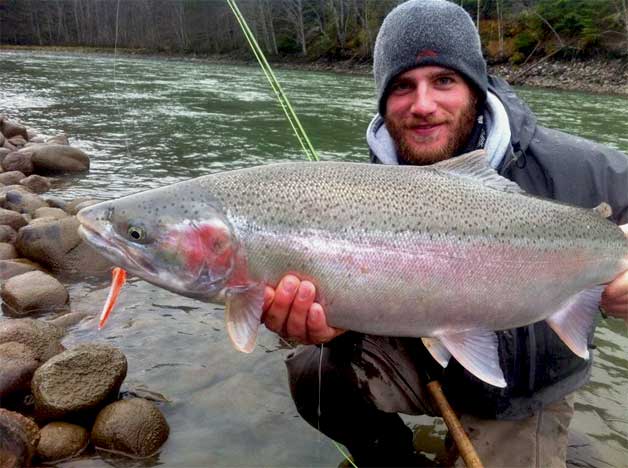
point(243, 312)
point(604, 210)
point(575, 319)
point(437, 350)
point(474, 166)
point(476, 350)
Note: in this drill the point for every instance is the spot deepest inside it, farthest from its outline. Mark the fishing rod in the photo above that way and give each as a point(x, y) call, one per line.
point(465, 447)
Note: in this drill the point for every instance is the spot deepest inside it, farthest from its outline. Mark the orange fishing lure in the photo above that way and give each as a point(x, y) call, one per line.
point(118, 279)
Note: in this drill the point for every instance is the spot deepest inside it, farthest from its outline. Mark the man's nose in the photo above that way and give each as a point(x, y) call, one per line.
point(423, 102)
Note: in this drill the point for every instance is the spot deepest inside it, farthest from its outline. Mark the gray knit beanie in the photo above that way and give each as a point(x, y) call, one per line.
point(427, 32)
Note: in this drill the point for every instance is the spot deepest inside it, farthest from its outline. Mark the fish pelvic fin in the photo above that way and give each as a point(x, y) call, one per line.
point(574, 321)
point(477, 351)
point(243, 313)
point(438, 351)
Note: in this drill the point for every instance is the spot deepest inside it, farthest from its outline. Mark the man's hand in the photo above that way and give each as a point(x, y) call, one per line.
point(290, 311)
point(615, 296)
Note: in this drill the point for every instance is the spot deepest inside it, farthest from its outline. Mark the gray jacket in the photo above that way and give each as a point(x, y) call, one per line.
point(538, 367)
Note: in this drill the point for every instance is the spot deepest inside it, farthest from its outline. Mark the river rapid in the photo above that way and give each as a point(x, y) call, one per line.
point(151, 122)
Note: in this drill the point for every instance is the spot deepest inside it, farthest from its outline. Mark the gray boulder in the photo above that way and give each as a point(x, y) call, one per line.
point(60, 440)
point(57, 158)
point(30, 292)
point(18, 161)
point(22, 201)
point(135, 427)
point(12, 218)
point(19, 362)
point(42, 337)
point(10, 129)
point(78, 381)
point(47, 212)
point(19, 437)
point(11, 177)
point(7, 251)
point(8, 146)
point(36, 183)
point(13, 267)
point(60, 139)
point(7, 234)
point(55, 202)
point(3, 152)
point(57, 245)
point(78, 203)
point(18, 141)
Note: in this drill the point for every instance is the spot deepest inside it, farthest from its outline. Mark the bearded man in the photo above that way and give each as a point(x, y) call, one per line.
point(436, 102)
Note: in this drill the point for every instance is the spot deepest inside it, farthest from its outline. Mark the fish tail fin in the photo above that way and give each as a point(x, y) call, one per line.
point(243, 313)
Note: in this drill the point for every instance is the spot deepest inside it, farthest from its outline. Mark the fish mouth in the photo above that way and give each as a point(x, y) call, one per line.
point(115, 251)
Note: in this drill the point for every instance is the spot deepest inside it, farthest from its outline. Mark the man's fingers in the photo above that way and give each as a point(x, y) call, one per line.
point(318, 330)
point(295, 324)
point(277, 313)
point(617, 288)
point(269, 295)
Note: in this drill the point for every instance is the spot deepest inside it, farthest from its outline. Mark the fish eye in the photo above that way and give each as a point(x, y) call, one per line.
point(136, 233)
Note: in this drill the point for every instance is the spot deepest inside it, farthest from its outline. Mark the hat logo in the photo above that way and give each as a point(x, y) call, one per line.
point(426, 53)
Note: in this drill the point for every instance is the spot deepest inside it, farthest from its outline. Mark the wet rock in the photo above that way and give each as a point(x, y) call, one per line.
point(79, 203)
point(47, 212)
point(55, 202)
point(56, 244)
point(11, 268)
point(7, 251)
point(18, 141)
point(11, 177)
point(2, 139)
point(58, 158)
point(3, 153)
point(19, 437)
point(8, 146)
point(60, 139)
point(7, 234)
point(42, 337)
point(36, 183)
point(31, 133)
point(19, 362)
point(135, 427)
point(68, 320)
point(18, 161)
point(4, 189)
point(31, 292)
point(36, 140)
point(22, 201)
point(10, 129)
point(78, 381)
point(60, 440)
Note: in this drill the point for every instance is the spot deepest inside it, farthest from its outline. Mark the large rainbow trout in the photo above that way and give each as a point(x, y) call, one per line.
point(449, 252)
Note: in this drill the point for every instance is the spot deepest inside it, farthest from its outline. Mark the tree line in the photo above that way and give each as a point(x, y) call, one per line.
point(514, 30)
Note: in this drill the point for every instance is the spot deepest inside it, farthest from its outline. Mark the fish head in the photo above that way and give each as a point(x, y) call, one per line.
point(185, 246)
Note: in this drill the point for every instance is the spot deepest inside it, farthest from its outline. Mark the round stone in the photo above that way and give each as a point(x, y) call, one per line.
point(61, 440)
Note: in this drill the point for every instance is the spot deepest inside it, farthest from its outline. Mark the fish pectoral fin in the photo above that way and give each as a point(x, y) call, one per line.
point(243, 312)
point(575, 320)
point(475, 166)
point(437, 350)
point(476, 351)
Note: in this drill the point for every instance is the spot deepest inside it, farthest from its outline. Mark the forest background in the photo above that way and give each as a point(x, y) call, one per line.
point(512, 31)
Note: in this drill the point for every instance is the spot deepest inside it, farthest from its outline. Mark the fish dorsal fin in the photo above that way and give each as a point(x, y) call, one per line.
point(604, 210)
point(243, 313)
point(574, 321)
point(475, 166)
point(476, 351)
point(437, 350)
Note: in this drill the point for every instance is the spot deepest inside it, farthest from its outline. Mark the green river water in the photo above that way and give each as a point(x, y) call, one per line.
point(150, 122)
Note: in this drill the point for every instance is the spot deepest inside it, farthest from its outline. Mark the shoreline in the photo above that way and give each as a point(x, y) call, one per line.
point(597, 76)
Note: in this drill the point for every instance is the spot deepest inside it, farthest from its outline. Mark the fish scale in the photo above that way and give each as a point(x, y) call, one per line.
point(449, 252)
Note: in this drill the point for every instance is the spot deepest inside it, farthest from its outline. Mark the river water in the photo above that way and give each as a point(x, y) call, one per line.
point(150, 122)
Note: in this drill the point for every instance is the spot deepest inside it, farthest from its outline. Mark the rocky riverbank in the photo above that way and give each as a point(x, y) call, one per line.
point(54, 402)
point(602, 76)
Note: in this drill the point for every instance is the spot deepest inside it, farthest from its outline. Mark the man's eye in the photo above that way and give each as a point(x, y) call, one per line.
point(400, 87)
point(445, 80)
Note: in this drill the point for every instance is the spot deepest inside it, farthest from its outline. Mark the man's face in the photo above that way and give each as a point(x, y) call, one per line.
point(430, 114)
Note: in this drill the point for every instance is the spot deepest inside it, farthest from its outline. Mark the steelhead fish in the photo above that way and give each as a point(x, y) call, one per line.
point(449, 252)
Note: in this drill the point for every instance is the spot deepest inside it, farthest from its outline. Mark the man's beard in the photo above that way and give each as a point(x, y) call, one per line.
point(409, 154)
